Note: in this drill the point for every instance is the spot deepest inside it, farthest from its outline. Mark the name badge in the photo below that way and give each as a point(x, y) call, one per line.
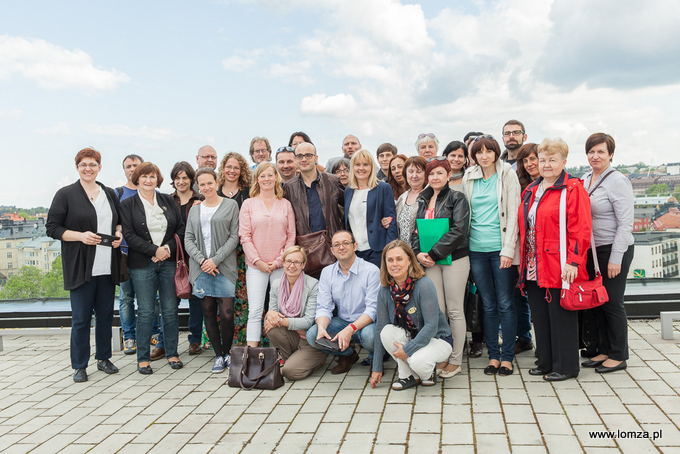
point(412, 311)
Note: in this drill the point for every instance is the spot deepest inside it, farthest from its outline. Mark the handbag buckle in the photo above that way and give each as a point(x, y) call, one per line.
point(261, 355)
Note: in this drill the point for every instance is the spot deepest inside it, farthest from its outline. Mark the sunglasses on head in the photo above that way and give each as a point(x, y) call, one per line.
point(429, 134)
point(437, 158)
point(484, 136)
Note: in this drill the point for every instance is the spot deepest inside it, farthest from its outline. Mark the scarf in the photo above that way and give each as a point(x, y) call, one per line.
point(290, 301)
point(457, 176)
point(401, 297)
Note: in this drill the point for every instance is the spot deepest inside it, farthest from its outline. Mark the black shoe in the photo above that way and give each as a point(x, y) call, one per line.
point(145, 370)
point(556, 376)
point(605, 369)
point(365, 362)
point(80, 376)
point(591, 363)
point(523, 346)
point(107, 366)
point(475, 349)
point(490, 370)
point(505, 371)
point(537, 371)
point(176, 364)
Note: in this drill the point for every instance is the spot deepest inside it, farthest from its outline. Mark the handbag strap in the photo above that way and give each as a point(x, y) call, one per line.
point(180, 251)
point(563, 239)
point(600, 182)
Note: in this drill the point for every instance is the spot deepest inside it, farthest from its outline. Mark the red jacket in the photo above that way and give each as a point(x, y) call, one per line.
point(579, 227)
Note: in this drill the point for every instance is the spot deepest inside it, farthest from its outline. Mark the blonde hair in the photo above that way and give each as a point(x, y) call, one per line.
point(294, 249)
point(415, 271)
point(255, 188)
point(364, 155)
point(552, 146)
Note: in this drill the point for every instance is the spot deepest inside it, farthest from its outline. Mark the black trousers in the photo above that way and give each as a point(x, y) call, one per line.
point(95, 296)
point(556, 331)
point(611, 319)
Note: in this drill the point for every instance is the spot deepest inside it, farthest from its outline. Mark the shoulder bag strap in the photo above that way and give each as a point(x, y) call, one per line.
point(563, 238)
point(600, 182)
point(180, 251)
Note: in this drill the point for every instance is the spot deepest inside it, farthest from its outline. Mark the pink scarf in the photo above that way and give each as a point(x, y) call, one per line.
point(290, 301)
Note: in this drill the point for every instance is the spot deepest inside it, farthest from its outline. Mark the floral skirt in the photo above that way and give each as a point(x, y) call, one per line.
point(240, 306)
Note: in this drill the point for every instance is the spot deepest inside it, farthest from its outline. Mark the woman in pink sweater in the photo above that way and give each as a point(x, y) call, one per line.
point(266, 228)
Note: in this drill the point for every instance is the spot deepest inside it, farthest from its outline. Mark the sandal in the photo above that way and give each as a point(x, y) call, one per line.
point(405, 383)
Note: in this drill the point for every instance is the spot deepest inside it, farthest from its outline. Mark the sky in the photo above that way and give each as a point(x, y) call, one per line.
point(162, 78)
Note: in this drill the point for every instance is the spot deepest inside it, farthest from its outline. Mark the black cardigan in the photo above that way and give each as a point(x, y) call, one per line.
point(72, 210)
point(140, 247)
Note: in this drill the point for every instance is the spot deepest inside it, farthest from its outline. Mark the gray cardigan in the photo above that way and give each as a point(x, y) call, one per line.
point(223, 242)
point(308, 308)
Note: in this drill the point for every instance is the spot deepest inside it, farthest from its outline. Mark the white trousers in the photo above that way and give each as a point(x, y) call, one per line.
point(256, 283)
point(451, 284)
point(421, 363)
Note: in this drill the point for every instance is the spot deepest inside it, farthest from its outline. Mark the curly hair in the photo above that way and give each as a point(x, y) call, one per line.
point(244, 179)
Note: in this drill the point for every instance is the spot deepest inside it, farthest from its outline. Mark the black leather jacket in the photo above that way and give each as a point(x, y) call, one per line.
point(295, 192)
point(454, 206)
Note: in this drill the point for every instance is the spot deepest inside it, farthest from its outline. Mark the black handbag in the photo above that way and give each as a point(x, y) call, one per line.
point(255, 368)
point(473, 308)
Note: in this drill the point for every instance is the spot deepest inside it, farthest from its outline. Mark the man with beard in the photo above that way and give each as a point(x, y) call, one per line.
point(513, 138)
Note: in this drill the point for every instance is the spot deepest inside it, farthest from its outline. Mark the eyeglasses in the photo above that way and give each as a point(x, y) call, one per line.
point(484, 136)
point(429, 134)
point(342, 172)
point(211, 157)
point(292, 262)
point(437, 158)
point(260, 151)
point(230, 168)
point(92, 165)
point(344, 244)
point(300, 157)
point(286, 149)
point(515, 133)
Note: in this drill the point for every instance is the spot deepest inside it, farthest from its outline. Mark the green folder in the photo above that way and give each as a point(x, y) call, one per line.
point(430, 231)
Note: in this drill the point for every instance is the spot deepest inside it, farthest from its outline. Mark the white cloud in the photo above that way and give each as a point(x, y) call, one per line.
point(60, 129)
point(145, 132)
point(65, 181)
point(238, 64)
point(12, 114)
point(339, 105)
point(53, 67)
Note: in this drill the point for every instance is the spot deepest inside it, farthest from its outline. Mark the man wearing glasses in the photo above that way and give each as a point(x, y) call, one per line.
point(206, 157)
point(285, 163)
point(513, 138)
point(316, 198)
point(260, 151)
point(351, 286)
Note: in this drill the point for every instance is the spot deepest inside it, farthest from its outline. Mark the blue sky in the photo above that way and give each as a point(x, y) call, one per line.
point(161, 79)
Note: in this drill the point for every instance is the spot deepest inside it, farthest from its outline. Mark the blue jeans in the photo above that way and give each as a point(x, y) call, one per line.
point(126, 310)
point(195, 321)
point(94, 296)
point(156, 278)
point(364, 336)
point(496, 287)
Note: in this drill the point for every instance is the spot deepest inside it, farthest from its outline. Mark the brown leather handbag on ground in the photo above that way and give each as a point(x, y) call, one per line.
point(255, 368)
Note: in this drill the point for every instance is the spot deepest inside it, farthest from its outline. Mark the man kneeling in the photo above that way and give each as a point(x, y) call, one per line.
point(351, 285)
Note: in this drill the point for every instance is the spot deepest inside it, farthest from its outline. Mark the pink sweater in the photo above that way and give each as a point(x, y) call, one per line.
point(265, 234)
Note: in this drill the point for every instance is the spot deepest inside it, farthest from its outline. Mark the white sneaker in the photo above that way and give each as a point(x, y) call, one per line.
point(130, 347)
point(218, 367)
point(227, 361)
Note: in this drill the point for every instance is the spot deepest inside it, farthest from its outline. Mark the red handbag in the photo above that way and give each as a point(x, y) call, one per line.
point(182, 285)
point(579, 295)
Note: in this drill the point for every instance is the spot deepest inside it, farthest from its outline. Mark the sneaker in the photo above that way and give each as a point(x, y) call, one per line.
point(130, 347)
point(154, 339)
point(227, 361)
point(218, 367)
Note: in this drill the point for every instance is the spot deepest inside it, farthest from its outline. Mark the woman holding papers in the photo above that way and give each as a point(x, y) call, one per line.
point(493, 190)
point(440, 242)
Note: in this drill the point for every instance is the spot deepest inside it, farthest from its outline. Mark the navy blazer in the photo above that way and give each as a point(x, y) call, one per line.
point(380, 205)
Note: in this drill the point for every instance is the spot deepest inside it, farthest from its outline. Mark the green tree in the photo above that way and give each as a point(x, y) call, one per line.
point(53, 281)
point(25, 284)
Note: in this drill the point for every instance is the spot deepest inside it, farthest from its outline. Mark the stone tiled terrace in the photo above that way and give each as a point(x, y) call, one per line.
point(194, 411)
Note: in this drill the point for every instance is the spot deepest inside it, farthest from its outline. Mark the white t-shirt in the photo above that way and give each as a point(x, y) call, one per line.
point(155, 220)
point(102, 255)
point(357, 218)
point(206, 215)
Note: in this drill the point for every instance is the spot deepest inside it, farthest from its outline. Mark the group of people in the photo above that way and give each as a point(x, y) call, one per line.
point(405, 237)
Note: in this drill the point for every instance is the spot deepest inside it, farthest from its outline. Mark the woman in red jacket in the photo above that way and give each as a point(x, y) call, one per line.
point(540, 269)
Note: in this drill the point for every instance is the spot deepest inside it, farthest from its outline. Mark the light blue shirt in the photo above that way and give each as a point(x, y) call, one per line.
point(354, 293)
point(485, 224)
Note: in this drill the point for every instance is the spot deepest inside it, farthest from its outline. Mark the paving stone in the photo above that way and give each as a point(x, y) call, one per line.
point(457, 434)
point(495, 443)
point(305, 422)
point(365, 423)
point(524, 434)
point(553, 424)
point(424, 443)
point(457, 414)
point(339, 413)
point(357, 443)
point(330, 433)
point(488, 423)
point(248, 423)
point(392, 432)
point(547, 405)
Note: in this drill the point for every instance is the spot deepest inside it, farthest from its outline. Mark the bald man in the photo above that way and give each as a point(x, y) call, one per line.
point(350, 144)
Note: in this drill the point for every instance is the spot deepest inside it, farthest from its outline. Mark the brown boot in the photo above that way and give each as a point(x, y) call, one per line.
point(157, 353)
point(345, 363)
point(195, 348)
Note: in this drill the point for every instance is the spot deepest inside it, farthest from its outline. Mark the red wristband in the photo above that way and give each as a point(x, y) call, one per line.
point(354, 328)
